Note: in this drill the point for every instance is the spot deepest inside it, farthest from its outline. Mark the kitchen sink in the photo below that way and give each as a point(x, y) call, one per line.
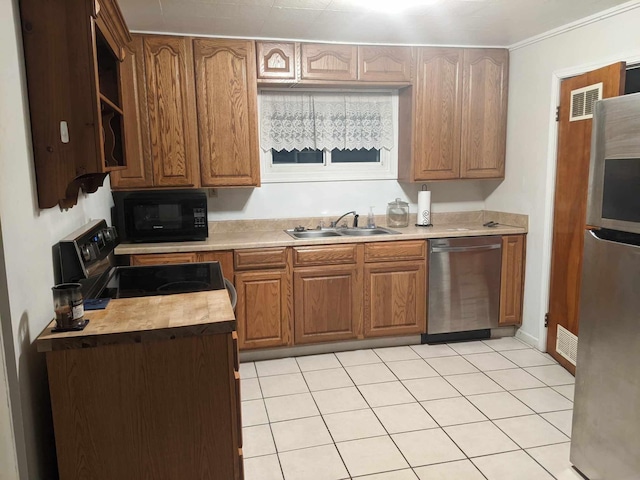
point(339, 232)
point(313, 233)
point(365, 232)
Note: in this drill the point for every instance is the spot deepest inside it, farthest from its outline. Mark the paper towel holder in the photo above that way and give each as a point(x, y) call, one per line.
point(424, 189)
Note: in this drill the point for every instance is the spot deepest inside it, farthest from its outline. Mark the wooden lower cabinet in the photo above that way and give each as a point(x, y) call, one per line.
point(512, 279)
point(327, 303)
point(395, 298)
point(137, 410)
point(264, 309)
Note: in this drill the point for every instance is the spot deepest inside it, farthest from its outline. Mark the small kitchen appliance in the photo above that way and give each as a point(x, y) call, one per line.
point(161, 216)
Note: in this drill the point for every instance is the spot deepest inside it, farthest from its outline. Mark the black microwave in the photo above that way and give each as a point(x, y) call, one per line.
point(161, 215)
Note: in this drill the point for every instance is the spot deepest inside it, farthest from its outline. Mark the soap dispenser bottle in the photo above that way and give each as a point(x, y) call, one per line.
point(371, 220)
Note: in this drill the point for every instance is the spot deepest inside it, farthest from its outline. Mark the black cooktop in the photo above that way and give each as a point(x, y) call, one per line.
point(141, 281)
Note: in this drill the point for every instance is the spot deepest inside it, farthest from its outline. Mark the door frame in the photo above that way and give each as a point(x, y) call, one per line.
point(552, 161)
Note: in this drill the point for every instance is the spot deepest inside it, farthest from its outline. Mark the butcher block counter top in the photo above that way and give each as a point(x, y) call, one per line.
point(235, 235)
point(146, 319)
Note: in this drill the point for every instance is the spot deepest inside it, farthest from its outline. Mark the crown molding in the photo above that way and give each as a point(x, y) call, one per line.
point(611, 12)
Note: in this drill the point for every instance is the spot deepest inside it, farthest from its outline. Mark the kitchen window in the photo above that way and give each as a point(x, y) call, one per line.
point(328, 136)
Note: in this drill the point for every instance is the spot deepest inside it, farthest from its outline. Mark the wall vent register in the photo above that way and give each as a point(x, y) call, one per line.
point(583, 101)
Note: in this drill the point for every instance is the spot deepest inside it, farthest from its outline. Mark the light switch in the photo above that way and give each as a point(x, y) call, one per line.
point(64, 132)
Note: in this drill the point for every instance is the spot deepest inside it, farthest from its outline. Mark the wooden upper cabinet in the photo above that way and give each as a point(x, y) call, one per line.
point(73, 51)
point(227, 93)
point(438, 104)
point(380, 64)
point(512, 279)
point(139, 171)
point(329, 62)
point(452, 121)
point(172, 112)
point(277, 60)
point(484, 113)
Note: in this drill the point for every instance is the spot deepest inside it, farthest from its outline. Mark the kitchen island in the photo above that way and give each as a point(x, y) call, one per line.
point(150, 389)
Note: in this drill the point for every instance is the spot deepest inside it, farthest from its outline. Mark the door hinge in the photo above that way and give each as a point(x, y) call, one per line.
point(558, 113)
point(546, 319)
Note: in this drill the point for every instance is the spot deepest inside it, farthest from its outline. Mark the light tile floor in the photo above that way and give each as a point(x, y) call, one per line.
point(494, 410)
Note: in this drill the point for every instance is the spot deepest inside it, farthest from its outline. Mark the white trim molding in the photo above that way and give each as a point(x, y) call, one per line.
point(596, 17)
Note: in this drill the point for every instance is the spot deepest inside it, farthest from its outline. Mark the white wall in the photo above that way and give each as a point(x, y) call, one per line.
point(312, 199)
point(531, 133)
point(28, 235)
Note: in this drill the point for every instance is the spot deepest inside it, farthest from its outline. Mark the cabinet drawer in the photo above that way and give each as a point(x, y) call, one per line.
point(325, 255)
point(395, 251)
point(261, 258)
point(163, 258)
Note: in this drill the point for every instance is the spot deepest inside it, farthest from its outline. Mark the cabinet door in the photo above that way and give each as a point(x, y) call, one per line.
point(276, 60)
point(224, 258)
point(327, 303)
point(512, 279)
point(329, 62)
point(264, 308)
point(484, 113)
point(395, 299)
point(438, 105)
point(227, 94)
point(163, 258)
point(384, 64)
point(172, 113)
point(139, 171)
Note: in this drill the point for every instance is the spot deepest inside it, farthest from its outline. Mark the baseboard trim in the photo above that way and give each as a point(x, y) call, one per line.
point(527, 338)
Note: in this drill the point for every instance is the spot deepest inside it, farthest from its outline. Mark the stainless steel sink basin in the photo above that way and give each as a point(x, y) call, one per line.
point(365, 232)
point(313, 234)
point(340, 232)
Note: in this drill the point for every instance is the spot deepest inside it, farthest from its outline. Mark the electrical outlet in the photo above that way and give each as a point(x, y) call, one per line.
point(212, 192)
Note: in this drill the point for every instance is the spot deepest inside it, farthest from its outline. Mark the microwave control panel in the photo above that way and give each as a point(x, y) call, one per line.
point(200, 217)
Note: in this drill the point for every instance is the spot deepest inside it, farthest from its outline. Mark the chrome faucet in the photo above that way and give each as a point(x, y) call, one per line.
point(355, 219)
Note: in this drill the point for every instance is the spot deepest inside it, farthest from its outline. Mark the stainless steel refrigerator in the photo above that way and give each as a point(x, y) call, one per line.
point(605, 443)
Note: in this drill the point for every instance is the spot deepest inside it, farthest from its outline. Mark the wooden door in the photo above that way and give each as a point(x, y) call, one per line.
point(484, 113)
point(384, 64)
point(227, 95)
point(139, 171)
point(172, 110)
point(570, 203)
point(395, 298)
point(512, 279)
point(327, 303)
point(264, 308)
point(329, 61)
point(438, 103)
point(277, 60)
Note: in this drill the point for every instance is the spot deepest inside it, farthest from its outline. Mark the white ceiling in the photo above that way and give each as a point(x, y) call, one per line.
point(437, 22)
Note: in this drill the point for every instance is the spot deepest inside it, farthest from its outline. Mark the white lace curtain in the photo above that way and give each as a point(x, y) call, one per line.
point(297, 120)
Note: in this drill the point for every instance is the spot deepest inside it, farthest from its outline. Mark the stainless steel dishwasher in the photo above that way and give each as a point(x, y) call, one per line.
point(464, 284)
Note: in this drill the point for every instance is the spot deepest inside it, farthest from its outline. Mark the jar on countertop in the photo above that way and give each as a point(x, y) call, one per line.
point(398, 214)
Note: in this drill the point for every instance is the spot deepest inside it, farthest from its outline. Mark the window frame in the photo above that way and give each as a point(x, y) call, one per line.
point(386, 169)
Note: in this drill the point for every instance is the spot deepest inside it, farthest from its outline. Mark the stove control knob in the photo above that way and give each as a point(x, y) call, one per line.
point(86, 252)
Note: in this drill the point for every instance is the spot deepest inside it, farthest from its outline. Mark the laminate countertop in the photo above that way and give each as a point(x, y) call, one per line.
point(257, 234)
point(146, 319)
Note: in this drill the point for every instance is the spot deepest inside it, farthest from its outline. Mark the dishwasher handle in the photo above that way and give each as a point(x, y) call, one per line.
point(475, 248)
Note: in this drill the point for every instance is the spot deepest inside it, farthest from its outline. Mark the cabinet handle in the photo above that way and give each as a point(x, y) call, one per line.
point(64, 132)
